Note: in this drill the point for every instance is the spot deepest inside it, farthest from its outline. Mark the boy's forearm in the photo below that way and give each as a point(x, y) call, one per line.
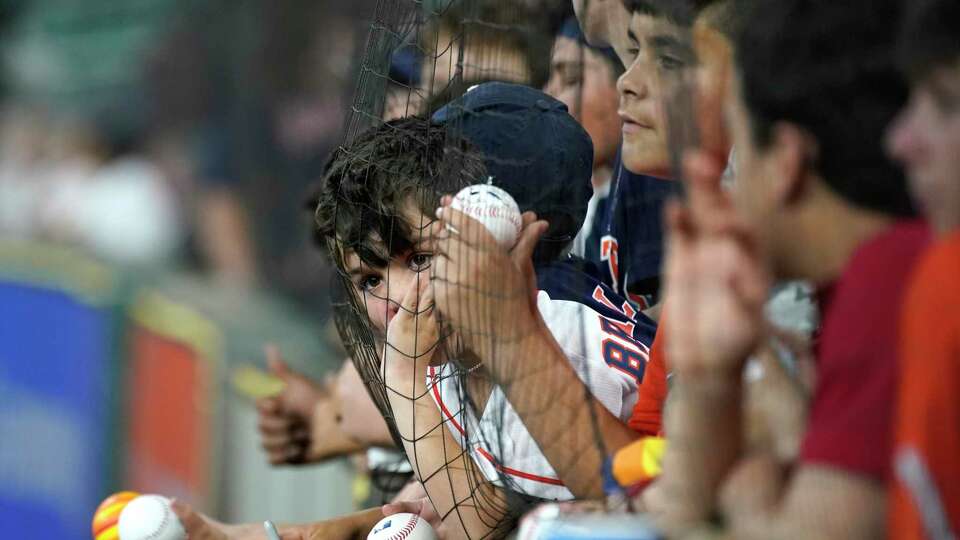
point(355, 526)
point(559, 411)
point(447, 471)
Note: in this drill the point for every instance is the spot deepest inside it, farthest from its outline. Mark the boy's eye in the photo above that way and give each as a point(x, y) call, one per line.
point(419, 262)
point(670, 63)
point(368, 283)
point(944, 101)
point(573, 80)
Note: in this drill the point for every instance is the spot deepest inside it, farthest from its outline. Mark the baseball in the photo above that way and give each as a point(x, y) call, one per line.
point(493, 207)
point(402, 527)
point(104, 526)
point(149, 517)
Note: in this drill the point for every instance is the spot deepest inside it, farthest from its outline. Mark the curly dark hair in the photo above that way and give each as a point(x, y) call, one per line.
point(367, 185)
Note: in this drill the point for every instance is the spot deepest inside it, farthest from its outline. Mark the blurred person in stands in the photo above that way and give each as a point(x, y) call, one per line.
point(404, 97)
point(500, 41)
point(584, 78)
point(816, 199)
point(90, 185)
point(925, 496)
point(124, 211)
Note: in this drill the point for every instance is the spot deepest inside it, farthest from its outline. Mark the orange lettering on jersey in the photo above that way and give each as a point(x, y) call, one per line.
point(609, 248)
point(626, 309)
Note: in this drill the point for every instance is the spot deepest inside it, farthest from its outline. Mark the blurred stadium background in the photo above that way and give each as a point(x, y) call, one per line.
point(155, 157)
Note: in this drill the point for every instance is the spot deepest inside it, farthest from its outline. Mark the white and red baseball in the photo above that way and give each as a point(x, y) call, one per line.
point(494, 208)
point(402, 526)
point(149, 517)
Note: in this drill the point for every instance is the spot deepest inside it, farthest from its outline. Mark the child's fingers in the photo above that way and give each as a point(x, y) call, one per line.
point(704, 194)
point(528, 240)
point(192, 522)
point(275, 361)
point(527, 218)
point(467, 228)
point(268, 405)
point(427, 300)
point(270, 425)
point(410, 304)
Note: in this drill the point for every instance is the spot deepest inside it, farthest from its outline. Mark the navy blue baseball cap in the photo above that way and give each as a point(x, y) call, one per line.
point(532, 148)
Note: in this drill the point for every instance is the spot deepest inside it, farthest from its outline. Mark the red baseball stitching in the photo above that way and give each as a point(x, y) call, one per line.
point(406, 530)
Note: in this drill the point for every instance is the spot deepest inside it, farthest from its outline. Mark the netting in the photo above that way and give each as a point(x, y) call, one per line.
point(440, 321)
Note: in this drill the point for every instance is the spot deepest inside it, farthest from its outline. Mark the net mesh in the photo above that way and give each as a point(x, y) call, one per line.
point(460, 385)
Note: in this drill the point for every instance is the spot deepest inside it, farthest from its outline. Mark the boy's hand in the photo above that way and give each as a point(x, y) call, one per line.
point(717, 282)
point(300, 425)
point(413, 339)
point(487, 293)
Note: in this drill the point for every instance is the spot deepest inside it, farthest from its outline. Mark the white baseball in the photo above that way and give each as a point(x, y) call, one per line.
point(493, 207)
point(149, 517)
point(402, 526)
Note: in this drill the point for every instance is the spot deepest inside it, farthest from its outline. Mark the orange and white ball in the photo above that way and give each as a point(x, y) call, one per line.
point(107, 515)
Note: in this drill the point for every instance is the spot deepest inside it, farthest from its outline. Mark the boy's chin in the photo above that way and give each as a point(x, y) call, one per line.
point(639, 159)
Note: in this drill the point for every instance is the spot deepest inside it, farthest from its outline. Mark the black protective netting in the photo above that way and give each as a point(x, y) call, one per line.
point(462, 388)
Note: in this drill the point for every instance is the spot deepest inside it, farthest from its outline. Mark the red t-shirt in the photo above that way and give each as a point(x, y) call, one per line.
point(925, 497)
point(851, 418)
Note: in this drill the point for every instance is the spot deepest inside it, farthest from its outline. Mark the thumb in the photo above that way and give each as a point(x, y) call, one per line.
point(529, 237)
point(192, 522)
point(275, 362)
point(410, 507)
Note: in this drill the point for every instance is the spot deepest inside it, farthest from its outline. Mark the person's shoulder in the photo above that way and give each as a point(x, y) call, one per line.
point(942, 258)
point(908, 237)
point(888, 258)
point(936, 279)
point(862, 308)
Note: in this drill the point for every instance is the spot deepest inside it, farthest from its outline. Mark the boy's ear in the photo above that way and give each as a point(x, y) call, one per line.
point(796, 154)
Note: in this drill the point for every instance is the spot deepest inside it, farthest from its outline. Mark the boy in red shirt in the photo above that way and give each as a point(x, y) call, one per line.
point(925, 496)
point(815, 199)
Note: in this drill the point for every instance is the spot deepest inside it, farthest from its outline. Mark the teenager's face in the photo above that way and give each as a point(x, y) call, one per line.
point(583, 80)
point(926, 139)
point(655, 51)
point(381, 289)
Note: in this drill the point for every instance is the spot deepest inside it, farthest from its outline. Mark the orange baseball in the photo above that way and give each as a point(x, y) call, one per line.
point(104, 525)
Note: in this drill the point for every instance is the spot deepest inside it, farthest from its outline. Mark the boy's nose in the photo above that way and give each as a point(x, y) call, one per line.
point(633, 82)
point(903, 140)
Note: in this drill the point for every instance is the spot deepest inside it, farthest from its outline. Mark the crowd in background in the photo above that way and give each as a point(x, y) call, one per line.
point(165, 134)
point(763, 421)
